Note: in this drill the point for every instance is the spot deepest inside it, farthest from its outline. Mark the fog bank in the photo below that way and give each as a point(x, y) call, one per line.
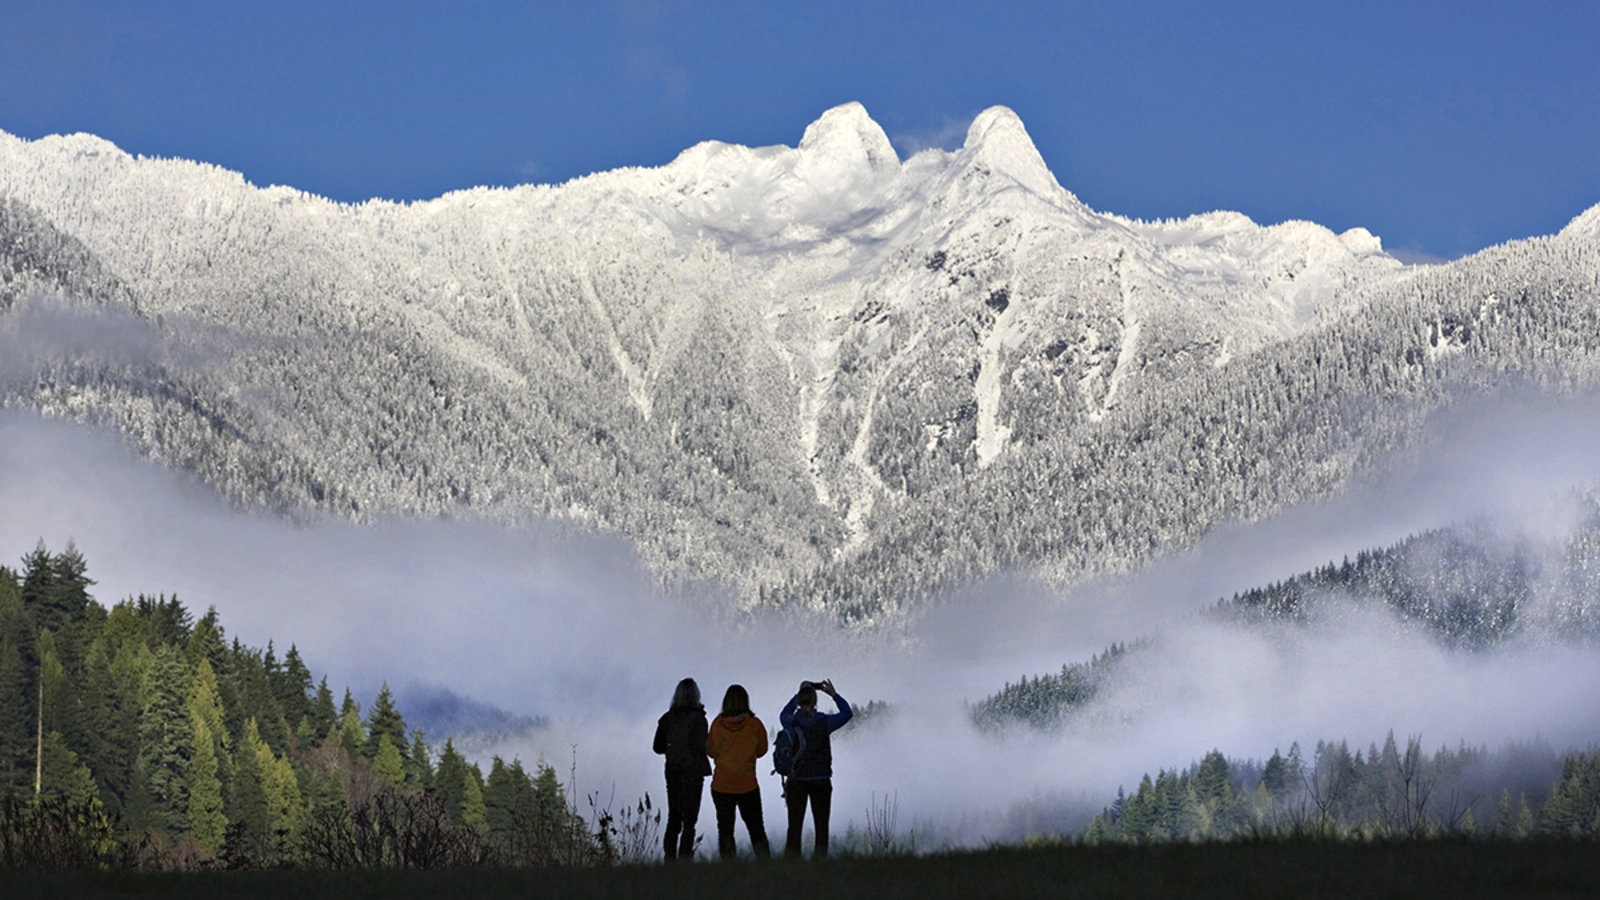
point(566, 627)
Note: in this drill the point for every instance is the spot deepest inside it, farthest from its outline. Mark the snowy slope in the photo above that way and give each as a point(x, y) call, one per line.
point(753, 361)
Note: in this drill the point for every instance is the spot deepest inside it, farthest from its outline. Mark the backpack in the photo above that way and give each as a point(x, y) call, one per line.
point(787, 748)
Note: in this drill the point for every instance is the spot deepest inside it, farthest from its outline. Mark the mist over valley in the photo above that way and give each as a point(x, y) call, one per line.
point(924, 426)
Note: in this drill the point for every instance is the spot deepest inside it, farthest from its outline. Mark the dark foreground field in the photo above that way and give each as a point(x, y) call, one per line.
point(1454, 869)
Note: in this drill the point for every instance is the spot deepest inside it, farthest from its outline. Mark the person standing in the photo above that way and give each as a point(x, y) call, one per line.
point(812, 778)
point(736, 741)
point(681, 738)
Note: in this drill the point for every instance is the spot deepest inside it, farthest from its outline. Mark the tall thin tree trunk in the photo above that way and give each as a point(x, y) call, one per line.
point(38, 755)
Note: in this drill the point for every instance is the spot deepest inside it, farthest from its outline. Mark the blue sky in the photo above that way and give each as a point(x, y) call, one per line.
point(1443, 127)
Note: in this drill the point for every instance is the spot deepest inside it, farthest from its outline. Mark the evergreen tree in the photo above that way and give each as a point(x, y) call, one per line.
point(207, 822)
point(450, 781)
point(166, 739)
point(205, 707)
point(1274, 776)
point(473, 813)
point(167, 621)
point(552, 812)
point(293, 688)
point(55, 589)
point(387, 762)
point(119, 722)
point(1573, 809)
point(139, 815)
point(324, 716)
point(206, 703)
point(207, 641)
point(62, 775)
point(254, 674)
point(383, 721)
point(57, 696)
point(325, 793)
point(352, 737)
point(285, 804)
point(419, 765)
point(500, 798)
point(250, 831)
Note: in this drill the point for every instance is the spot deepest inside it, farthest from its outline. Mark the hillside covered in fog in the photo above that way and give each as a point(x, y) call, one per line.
point(819, 375)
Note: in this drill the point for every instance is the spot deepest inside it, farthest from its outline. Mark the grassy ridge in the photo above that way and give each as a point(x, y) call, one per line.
point(1419, 869)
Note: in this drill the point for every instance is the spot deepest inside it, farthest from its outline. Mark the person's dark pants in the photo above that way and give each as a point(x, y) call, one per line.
point(749, 807)
point(684, 790)
point(795, 795)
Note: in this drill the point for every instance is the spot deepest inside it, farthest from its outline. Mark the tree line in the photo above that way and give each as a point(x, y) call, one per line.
point(173, 743)
point(1518, 791)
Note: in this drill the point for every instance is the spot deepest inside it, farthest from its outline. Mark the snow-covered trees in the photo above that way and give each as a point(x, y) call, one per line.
point(965, 370)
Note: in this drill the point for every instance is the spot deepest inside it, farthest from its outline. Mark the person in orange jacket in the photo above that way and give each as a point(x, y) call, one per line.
point(736, 740)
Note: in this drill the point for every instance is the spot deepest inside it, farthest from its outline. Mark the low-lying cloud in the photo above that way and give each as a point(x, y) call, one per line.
point(569, 628)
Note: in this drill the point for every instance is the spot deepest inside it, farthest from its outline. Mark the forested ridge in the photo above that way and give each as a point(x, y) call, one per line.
point(155, 735)
point(972, 373)
point(1470, 587)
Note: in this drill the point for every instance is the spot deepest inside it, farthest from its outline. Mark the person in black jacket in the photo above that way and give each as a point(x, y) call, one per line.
point(812, 778)
point(681, 738)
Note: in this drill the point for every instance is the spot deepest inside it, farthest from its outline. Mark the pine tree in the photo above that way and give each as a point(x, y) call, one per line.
point(254, 672)
point(207, 641)
point(351, 734)
point(324, 716)
point(62, 775)
point(500, 798)
point(206, 703)
point(282, 793)
point(384, 721)
point(207, 822)
point(215, 745)
point(1211, 784)
point(387, 762)
point(285, 805)
point(60, 700)
point(553, 814)
point(250, 831)
point(450, 781)
point(1274, 776)
point(119, 727)
point(166, 739)
point(294, 688)
point(473, 813)
point(419, 765)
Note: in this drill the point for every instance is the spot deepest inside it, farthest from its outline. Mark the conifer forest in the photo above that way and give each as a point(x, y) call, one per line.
point(141, 736)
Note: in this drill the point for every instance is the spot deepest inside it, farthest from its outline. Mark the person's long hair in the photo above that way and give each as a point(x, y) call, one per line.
point(736, 701)
point(687, 696)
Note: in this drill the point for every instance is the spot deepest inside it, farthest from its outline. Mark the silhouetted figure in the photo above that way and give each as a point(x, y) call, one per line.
point(812, 778)
point(681, 738)
point(736, 741)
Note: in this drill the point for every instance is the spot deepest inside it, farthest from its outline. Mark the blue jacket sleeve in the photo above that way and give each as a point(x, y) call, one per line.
point(836, 720)
point(786, 718)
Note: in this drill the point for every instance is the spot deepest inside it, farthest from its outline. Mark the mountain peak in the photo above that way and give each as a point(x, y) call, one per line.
point(848, 135)
point(998, 140)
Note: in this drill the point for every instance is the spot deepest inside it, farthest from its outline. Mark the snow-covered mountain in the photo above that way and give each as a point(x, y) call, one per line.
point(809, 372)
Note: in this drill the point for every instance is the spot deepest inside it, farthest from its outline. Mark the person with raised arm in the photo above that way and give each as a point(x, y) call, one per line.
point(681, 738)
point(812, 776)
point(736, 741)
